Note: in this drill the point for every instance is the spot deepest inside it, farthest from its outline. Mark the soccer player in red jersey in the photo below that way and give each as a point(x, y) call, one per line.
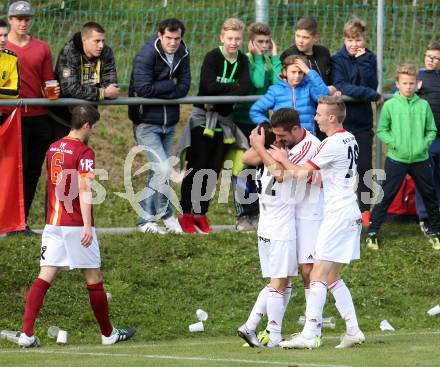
point(69, 237)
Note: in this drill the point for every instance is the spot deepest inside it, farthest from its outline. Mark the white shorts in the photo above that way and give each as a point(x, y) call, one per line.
point(61, 247)
point(339, 236)
point(277, 258)
point(306, 236)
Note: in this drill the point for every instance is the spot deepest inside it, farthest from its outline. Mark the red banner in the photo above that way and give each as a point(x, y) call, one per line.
point(11, 175)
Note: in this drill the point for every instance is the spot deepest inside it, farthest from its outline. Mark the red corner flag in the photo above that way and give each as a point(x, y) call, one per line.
point(11, 171)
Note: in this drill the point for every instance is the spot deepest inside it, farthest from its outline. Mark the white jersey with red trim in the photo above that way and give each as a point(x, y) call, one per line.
point(336, 158)
point(277, 210)
point(308, 198)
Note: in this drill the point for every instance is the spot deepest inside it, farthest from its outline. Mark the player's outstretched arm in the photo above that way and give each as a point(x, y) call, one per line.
point(85, 201)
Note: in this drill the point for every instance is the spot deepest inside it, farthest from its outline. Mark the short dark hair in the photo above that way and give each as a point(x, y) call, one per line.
point(91, 26)
point(258, 29)
point(286, 118)
point(433, 46)
point(308, 24)
point(3, 24)
point(82, 114)
point(172, 24)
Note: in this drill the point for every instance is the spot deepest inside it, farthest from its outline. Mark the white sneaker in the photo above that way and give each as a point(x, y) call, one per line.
point(150, 227)
point(172, 225)
point(118, 335)
point(348, 340)
point(298, 341)
point(28, 341)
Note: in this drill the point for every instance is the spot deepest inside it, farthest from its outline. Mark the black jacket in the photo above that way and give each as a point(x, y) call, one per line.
point(320, 60)
point(70, 75)
point(152, 77)
point(430, 90)
point(218, 77)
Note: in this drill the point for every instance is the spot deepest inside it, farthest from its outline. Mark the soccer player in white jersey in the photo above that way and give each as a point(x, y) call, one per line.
point(338, 239)
point(307, 197)
point(276, 230)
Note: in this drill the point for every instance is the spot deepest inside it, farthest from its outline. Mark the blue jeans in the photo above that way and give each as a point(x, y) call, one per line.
point(159, 140)
point(434, 159)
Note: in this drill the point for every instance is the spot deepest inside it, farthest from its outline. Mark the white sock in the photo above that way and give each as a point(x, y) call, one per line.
point(287, 294)
point(345, 306)
point(259, 309)
point(315, 307)
point(306, 294)
point(275, 314)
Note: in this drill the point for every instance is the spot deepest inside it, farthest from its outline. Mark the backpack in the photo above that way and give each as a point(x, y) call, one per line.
point(405, 201)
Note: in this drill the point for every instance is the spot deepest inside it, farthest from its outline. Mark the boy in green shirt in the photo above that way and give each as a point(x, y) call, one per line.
point(264, 68)
point(407, 126)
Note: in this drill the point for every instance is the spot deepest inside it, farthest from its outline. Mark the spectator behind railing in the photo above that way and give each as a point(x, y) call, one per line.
point(354, 73)
point(318, 56)
point(35, 67)
point(161, 69)
point(210, 131)
point(85, 69)
point(428, 85)
point(300, 88)
point(9, 82)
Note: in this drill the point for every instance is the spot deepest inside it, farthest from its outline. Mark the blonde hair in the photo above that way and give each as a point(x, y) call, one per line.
point(291, 59)
point(336, 105)
point(406, 69)
point(233, 24)
point(355, 28)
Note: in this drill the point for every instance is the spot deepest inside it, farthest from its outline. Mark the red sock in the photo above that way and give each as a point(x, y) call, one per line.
point(34, 302)
point(98, 301)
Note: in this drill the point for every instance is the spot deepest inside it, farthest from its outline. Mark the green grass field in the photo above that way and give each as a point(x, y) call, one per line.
point(400, 349)
point(157, 283)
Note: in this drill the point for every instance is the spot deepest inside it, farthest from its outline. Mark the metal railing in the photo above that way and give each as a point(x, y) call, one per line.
point(128, 101)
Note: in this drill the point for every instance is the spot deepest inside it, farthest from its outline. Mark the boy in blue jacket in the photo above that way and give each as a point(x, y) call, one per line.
point(300, 88)
point(354, 73)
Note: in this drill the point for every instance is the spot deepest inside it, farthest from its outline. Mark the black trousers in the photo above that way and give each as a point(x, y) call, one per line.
point(365, 144)
point(205, 158)
point(244, 187)
point(36, 132)
point(395, 174)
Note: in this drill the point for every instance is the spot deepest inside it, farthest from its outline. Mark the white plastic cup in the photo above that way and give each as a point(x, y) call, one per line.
point(10, 335)
point(327, 322)
point(434, 311)
point(197, 327)
point(109, 296)
point(62, 337)
point(201, 315)
point(52, 331)
point(386, 326)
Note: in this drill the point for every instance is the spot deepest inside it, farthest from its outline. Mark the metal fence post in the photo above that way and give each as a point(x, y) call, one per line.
point(380, 36)
point(262, 11)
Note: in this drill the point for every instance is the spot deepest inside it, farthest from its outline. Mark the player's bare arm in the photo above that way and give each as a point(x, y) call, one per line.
point(85, 200)
point(295, 171)
point(275, 168)
point(251, 157)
